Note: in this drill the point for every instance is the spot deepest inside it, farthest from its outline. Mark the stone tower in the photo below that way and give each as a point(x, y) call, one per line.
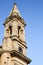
point(13, 49)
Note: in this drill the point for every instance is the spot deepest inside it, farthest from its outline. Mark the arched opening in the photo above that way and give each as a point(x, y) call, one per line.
point(19, 27)
point(10, 27)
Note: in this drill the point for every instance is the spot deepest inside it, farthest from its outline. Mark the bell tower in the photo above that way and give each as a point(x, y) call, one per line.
point(14, 45)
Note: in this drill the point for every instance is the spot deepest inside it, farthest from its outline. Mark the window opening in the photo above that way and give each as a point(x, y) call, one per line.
point(19, 27)
point(10, 27)
point(20, 50)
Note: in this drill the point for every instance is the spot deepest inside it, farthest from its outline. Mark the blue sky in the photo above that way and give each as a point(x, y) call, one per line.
point(32, 12)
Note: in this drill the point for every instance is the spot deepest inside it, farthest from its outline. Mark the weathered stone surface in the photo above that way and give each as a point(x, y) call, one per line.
point(13, 49)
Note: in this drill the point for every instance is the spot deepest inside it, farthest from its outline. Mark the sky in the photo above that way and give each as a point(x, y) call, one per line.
point(32, 12)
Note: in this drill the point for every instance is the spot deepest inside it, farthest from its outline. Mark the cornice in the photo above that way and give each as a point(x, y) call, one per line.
point(12, 17)
point(15, 53)
point(15, 37)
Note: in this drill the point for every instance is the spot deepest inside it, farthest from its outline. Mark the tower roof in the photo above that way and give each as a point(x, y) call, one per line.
point(15, 10)
point(14, 14)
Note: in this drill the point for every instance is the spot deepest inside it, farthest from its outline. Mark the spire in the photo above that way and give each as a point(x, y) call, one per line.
point(15, 11)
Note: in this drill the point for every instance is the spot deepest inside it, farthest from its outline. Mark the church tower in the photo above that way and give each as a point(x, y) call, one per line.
point(13, 49)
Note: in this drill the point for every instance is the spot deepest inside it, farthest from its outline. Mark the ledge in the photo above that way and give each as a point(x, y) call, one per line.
point(14, 37)
point(21, 56)
point(17, 54)
point(12, 17)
